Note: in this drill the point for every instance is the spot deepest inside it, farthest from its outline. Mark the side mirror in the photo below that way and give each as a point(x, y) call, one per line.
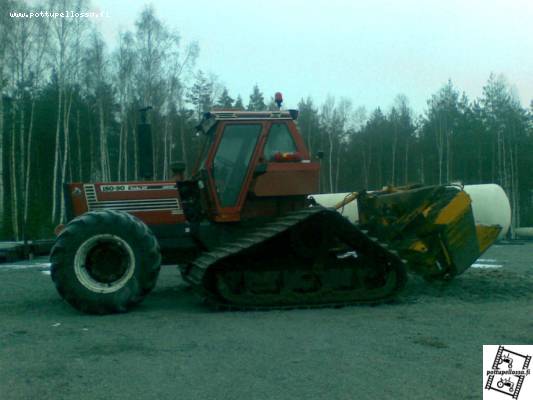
point(319, 154)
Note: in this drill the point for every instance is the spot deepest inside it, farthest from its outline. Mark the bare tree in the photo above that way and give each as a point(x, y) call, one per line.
point(441, 120)
point(152, 40)
point(96, 69)
point(178, 70)
point(342, 114)
point(18, 42)
point(125, 66)
point(3, 84)
point(326, 121)
point(62, 43)
point(24, 46)
point(39, 44)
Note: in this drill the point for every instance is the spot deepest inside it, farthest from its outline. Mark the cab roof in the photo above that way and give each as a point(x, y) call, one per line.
point(212, 117)
point(235, 114)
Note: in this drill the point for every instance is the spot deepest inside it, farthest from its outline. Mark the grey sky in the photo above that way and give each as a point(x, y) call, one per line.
point(368, 51)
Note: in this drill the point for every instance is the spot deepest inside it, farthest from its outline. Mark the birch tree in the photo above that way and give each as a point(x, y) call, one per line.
point(39, 38)
point(96, 75)
point(402, 131)
point(326, 122)
point(152, 43)
point(441, 121)
point(179, 68)
point(23, 47)
point(506, 121)
point(62, 40)
point(3, 84)
point(18, 43)
point(342, 115)
point(309, 124)
point(124, 59)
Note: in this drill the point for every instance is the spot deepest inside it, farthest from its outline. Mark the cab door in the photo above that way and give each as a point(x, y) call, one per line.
point(230, 166)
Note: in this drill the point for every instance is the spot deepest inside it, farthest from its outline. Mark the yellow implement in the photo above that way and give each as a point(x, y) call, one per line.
point(432, 227)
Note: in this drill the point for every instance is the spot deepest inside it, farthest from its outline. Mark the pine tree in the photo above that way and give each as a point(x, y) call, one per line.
point(200, 94)
point(440, 127)
point(506, 121)
point(257, 100)
point(238, 103)
point(308, 124)
point(224, 100)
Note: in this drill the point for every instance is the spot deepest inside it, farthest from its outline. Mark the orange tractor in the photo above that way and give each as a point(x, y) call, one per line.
point(246, 234)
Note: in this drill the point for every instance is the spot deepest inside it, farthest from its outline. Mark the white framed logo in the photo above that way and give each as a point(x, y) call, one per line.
point(507, 373)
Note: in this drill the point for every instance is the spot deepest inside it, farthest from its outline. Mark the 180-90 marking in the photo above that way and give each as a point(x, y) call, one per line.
point(134, 188)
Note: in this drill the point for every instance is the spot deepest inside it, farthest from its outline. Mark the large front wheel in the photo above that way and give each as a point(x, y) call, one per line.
point(105, 262)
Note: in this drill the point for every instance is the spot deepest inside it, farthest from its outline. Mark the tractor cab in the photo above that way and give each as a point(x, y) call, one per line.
point(253, 164)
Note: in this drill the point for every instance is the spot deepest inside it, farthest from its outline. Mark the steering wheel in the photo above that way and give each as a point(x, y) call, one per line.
point(224, 162)
point(223, 171)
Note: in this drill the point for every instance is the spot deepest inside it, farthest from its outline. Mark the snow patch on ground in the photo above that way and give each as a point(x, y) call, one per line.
point(487, 263)
point(476, 265)
point(40, 263)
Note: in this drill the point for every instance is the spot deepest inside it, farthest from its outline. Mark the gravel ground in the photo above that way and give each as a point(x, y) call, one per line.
point(427, 345)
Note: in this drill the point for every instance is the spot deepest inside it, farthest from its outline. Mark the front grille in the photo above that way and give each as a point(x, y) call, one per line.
point(130, 205)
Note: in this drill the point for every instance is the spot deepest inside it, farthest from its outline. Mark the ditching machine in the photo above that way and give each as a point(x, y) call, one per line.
point(246, 235)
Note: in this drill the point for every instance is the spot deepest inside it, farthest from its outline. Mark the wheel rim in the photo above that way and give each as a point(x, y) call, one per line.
point(104, 263)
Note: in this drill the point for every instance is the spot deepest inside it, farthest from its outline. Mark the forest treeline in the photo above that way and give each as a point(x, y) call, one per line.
point(70, 106)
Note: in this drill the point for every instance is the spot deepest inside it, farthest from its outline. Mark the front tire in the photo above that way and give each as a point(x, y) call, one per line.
point(105, 262)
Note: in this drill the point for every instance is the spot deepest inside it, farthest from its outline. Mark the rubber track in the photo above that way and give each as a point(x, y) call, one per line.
point(195, 272)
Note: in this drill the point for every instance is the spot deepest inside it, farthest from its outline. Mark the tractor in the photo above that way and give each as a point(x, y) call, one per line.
point(247, 235)
point(506, 382)
point(506, 359)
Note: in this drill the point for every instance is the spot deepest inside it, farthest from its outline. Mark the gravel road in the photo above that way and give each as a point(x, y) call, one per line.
point(426, 345)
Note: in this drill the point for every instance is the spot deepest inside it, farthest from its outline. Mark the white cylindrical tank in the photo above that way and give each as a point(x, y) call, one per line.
point(331, 199)
point(490, 205)
point(524, 232)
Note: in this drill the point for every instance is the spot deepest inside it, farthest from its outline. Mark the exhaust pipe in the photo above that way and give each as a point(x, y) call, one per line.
point(145, 151)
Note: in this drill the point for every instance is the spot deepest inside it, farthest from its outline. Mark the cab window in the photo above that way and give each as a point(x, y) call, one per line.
point(232, 160)
point(279, 140)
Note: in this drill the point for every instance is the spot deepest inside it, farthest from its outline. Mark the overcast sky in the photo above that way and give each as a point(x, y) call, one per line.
point(368, 51)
